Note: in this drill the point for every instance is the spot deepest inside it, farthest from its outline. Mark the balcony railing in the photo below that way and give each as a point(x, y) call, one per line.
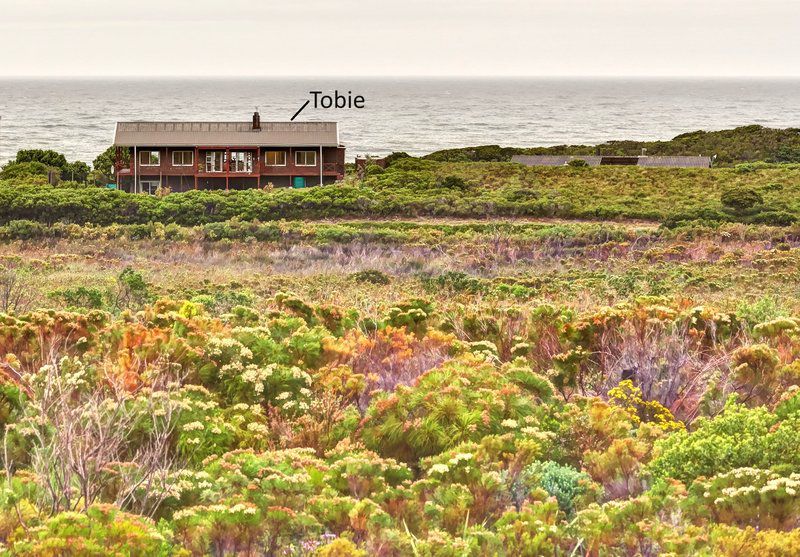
point(168, 169)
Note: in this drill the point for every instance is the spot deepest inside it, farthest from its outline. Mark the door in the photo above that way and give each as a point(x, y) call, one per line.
point(215, 161)
point(299, 182)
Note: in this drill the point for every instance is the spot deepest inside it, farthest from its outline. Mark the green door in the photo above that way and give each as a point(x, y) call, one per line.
point(299, 182)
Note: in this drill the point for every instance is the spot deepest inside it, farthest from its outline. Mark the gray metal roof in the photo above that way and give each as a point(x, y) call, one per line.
point(593, 160)
point(682, 162)
point(192, 134)
point(554, 160)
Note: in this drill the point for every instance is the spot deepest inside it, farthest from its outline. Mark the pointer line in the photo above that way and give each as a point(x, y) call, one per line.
point(299, 111)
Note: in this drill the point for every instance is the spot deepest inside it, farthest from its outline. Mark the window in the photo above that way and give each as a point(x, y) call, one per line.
point(182, 158)
point(149, 158)
point(241, 161)
point(305, 158)
point(276, 158)
point(149, 186)
point(215, 161)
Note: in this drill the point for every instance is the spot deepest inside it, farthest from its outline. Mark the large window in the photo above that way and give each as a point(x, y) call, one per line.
point(215, 161)
point(276, 158)
point(182, 158)
point(305, 158)
point(241, 161)
point(149, 158)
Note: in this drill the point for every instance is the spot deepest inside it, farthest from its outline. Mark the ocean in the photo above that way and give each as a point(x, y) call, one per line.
point(416, 115)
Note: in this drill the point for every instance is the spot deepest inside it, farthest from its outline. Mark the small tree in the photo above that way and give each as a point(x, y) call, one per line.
point(103, 164)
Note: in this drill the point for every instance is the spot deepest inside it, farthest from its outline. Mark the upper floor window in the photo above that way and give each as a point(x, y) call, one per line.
point(215, 161)
point(305, 158)
point(276, 158)
point(149, 158)
point(241, 161)
point(182, 158)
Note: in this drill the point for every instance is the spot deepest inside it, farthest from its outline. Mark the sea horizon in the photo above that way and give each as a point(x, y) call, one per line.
point(415, 114)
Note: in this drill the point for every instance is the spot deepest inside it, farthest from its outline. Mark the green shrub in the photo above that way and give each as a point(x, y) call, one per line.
point(102, 530)
point(371, 276)
point(80, 297)
point(460, 401)
point(23, 170)
point(737, 438)
point(562, 482)
point(453, 183)
point(740, 198)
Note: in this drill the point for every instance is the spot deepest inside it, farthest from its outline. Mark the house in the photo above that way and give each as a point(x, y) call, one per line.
point(598, 160)
point(226, 155)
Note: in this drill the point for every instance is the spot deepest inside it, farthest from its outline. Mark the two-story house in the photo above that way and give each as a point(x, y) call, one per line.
point(226, 155)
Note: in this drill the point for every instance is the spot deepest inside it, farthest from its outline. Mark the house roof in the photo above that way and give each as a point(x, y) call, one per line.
point(553, 160)
point(594, 160)
point(683, 162)
point(240, 134)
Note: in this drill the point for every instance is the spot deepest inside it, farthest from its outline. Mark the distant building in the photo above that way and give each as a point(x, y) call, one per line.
point(227, 155)
point(596, 160)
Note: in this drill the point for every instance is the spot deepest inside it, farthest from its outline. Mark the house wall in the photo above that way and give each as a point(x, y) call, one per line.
point(182, 178)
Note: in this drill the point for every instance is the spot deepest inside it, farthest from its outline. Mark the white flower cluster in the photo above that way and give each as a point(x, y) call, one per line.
point(257, 375)
point(194, 426)
point(257, 428)
point(217, 345)
point(439, 469)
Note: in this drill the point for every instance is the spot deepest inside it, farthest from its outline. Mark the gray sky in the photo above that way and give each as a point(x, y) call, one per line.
point(400, 37)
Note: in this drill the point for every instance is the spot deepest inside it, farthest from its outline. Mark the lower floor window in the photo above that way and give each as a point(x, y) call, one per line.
point(149, 186)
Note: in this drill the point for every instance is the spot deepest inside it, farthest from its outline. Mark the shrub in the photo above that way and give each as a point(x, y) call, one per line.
point(740, 199)
point(80, 297)
point(25, 229)
point(562, 482)
point(340, 547)
point(460, 401)
point(733, 542)
point(102, 530)
point(453, 183)
point(747, 497)
point(371, 276)
point(737, 438)
point(23, 170)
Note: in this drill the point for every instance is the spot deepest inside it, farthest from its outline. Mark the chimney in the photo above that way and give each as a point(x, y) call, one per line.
point(256, 121)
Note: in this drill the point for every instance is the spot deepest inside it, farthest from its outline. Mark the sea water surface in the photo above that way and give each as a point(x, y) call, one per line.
point(416, 115)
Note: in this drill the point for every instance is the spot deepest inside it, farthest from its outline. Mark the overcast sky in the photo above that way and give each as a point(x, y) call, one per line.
point(400, 37)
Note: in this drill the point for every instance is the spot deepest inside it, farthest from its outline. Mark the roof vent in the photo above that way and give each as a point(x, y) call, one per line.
point(256, 121)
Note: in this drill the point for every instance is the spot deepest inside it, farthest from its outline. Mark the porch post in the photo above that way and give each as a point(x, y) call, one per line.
point(320, 165)
point(227, 169)
point(258, 167)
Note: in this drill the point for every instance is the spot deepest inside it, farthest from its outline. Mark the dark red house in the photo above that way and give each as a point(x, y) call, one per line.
point(227, 155)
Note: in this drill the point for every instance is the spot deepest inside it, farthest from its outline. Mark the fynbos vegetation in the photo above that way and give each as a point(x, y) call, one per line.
point(219, 374)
